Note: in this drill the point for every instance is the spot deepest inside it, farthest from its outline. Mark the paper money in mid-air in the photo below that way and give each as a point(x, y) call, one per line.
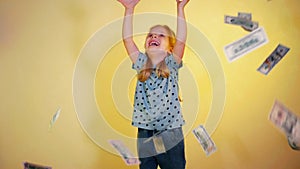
point(287, 122)
point(204, 139)
point(159, 144)
point(247, 16)
point(283, 118)
point(125, 153)
point(273, 59)
point(54, 118)
point(246, 44)
point(244, 20)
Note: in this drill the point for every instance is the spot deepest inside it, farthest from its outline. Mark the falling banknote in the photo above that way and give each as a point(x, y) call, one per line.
point(287, 122)
point(241, 20)
point(54, 118)
point(284, 119)
point(247, 16)
point(273, 59)
point(126, 155)
point(246, 44)
point(204, 139)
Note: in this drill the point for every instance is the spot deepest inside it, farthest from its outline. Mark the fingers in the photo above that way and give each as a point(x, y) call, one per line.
point(182, 1)
point(129, 3)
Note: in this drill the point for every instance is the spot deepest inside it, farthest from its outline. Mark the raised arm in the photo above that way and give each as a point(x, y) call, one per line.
point(127, 29)
point(181, 31)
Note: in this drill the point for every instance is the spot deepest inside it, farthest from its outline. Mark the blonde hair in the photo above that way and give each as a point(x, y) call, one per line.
point(161, 68)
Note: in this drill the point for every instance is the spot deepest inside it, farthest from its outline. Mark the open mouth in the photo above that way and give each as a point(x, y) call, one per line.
point(154, 43)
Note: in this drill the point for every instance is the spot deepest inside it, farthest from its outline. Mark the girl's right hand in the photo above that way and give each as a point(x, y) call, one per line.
point(129, 3)
point(182, 3)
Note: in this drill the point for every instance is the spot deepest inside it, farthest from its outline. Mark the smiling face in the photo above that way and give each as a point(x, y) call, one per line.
point(158, 39)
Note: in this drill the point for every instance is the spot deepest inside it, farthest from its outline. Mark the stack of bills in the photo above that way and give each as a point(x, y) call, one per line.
point(287, 122)
point(243, 19)
point(205, 141)
point(273, 59)
point(126, 155)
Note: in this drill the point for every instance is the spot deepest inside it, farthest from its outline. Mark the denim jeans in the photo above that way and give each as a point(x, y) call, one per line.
point(173, 158)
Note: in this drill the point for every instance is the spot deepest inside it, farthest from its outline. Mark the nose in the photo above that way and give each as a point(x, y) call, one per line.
point(154, 36)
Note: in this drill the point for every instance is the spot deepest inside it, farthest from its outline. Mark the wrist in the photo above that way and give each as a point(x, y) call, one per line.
point(180, 11)
point(180, 7)
point(129, 10)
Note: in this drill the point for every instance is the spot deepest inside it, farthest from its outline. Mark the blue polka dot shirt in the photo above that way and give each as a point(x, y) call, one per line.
point(156, 103)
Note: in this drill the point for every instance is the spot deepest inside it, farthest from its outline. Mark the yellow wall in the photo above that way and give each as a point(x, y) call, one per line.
point(40, 45)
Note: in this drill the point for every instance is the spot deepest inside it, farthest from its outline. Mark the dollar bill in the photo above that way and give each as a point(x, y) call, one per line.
point(287, 122)
point(242, 21)
point(159, 144)
point(246, 44)
point(126, 155)
point(273, 59)
point(204, 139)
point(247, 16)
point(54, 118)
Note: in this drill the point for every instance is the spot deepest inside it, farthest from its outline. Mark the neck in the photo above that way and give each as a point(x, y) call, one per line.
point(155, 61)
point(156, 57)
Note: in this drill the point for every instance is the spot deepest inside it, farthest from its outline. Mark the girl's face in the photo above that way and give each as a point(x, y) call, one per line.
point(158, 39)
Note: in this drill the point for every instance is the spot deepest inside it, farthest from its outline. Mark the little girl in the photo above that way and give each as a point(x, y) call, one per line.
point(157, 111)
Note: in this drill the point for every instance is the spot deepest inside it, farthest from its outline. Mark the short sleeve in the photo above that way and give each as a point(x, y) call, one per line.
point(140, 61)
point(171, 62)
